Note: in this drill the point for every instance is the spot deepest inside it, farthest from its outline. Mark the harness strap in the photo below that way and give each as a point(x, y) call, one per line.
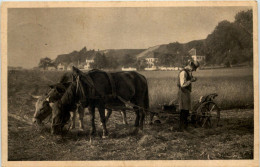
point(113, 85)
point(77, 80)
point(88, 80)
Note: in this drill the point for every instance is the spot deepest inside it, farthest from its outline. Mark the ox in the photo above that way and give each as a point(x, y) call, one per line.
point(56, 91)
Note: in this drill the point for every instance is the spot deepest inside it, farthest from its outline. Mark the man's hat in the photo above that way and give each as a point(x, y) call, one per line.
point(195, 64)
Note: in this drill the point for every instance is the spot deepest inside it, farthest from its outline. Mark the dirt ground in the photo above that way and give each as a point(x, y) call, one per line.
point(232, 140)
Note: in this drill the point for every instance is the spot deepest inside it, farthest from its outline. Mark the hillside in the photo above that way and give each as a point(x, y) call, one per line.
point(119, 53)
point(174, 48)
point(83, 54)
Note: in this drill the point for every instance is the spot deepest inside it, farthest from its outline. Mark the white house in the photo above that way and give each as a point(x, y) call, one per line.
point(162, 68)
point(128, 69)
point(69, 67)
point(170, 68)
point(151, 60)
point(61, 67)
point(89, 60)
point(150, 68)
point(51, 68)
point(195, 56)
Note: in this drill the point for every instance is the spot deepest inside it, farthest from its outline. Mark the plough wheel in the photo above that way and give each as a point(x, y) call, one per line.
point(208, 115)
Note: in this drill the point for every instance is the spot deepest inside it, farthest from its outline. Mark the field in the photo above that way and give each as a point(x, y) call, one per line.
point(232, 140)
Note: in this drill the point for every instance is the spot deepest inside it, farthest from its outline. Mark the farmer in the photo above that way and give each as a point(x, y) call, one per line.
point(184, 83)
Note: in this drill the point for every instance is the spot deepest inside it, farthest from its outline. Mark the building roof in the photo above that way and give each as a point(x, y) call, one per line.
point(192, 51)
point(196, 52)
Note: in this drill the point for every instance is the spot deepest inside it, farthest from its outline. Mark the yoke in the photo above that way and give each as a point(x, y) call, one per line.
point(93, 91)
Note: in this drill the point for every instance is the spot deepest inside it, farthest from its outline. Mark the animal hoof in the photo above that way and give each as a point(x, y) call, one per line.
point(157, 122)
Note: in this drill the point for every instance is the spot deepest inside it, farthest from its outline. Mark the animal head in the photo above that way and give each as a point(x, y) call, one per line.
point(60, 116)
point(42, 107)
point(61, 108)
point(56, 91)
point(42, 110)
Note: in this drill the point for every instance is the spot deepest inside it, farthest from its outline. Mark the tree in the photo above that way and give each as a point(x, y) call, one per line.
point(45, 63)
point(100, 61)
point(165, 59)
point(112, 62)
point(244, 20)
point(141, 64)
point(225, 38)
point(231, 41)
point(129, 61)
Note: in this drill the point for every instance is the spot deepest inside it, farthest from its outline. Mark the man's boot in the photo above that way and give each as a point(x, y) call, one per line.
point(181, 124)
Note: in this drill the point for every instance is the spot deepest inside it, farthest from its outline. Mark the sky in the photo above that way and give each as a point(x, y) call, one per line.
point(35, 33)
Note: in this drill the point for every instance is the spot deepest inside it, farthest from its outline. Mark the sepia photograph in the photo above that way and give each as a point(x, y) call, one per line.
point(127, 83)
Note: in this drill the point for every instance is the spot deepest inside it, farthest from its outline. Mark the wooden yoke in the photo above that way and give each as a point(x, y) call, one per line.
point(85, 78)
point(93, 92)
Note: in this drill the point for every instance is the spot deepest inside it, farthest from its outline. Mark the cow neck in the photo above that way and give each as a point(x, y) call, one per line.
point(69, 96)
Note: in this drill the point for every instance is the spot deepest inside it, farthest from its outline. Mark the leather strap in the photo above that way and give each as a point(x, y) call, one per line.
point(112, 83)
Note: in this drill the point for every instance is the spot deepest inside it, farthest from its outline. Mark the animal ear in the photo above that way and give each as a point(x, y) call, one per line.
point(76, 71)
point(34, 96)
point(48, 99)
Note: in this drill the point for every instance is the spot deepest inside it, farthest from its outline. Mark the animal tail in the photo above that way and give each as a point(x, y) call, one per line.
point(148, 113)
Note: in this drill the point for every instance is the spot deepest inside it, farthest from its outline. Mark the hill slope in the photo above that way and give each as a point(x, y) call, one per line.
point(175, 48)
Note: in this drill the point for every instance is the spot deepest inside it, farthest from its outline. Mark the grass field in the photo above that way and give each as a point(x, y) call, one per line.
point(234, 86)
point(232, 140)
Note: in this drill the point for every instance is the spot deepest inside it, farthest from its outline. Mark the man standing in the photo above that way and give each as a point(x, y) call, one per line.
point(185, 79)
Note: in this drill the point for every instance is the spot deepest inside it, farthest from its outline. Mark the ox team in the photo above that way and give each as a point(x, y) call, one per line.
point(184, 84)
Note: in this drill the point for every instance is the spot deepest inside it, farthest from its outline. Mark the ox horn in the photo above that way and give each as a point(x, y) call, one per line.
point(34, 96)
point(48, 99)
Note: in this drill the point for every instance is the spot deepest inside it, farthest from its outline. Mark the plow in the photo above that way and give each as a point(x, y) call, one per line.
point(205, 113)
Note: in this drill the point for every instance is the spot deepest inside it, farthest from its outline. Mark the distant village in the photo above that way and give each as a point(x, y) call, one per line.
point(150, 59)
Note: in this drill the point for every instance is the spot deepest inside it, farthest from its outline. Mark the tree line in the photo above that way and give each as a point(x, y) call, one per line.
point(231, 42)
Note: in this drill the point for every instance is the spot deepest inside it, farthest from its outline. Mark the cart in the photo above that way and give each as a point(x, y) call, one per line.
point(205, 112)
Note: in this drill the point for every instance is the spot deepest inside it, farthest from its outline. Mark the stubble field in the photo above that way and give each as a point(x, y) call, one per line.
point(232, 140)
